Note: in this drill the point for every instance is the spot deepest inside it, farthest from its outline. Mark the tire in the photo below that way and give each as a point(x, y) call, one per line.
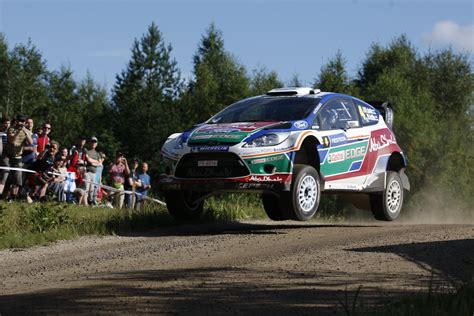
point(302, 202)
point(181, 207)
point(386, 206)
point(273, 207)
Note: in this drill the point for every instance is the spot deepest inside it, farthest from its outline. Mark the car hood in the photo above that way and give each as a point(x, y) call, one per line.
point(228, 133)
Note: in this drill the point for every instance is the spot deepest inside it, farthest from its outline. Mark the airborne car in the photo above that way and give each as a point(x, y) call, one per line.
point(290, 145)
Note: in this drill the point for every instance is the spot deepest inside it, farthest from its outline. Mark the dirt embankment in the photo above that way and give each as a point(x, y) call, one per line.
point(251, 267)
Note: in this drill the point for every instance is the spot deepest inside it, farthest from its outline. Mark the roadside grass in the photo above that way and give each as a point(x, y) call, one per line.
point(25, 225)
point(439, 301)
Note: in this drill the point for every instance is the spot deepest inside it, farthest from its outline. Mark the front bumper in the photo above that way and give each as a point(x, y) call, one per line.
point(273, 182)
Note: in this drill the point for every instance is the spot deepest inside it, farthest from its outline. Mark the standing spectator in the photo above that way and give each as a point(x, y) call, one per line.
point(78, 152)
point(143, 185)
point(17, 137)
point(3, 133)
point(43, 139)
point(130, 184)
point(94, 160)
point(29, 152)
point(118, 172)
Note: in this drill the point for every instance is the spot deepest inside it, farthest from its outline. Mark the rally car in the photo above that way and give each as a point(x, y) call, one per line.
point(290, 145)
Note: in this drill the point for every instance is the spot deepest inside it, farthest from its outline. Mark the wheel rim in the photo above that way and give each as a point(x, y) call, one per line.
point(307, 193)
point(394, 196)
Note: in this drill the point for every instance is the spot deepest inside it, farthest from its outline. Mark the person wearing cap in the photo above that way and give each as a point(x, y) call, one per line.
point(94, 160)
point(17, 137)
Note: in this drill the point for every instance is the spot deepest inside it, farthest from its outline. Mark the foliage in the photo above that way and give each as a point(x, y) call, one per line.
point(219, 80)
point(432, 96)
point(333, 76)
point(263, 81)
point(144, 97)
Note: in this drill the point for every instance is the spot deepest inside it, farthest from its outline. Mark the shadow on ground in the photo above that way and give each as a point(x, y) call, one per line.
point(453, 259)
point(206, 291)
point(231, 228)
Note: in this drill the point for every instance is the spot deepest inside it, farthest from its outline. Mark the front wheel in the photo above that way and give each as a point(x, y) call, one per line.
point(182, 205)
point(386, 206)
point(302, 202)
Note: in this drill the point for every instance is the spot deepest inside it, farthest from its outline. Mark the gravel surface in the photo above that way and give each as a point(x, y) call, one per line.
point(256, 267)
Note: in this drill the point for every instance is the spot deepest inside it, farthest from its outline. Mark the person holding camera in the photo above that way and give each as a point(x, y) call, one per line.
point(17, 137)
point(118, 172)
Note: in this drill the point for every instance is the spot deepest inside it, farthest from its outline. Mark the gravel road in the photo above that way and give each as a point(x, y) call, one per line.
point(256, 267)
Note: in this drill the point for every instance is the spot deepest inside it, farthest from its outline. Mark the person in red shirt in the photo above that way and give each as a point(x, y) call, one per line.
point(43, 139)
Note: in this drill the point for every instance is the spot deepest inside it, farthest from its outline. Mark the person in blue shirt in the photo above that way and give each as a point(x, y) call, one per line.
point(143, 185)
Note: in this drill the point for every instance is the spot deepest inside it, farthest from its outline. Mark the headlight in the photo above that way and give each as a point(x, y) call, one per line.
point(178, 143)
point(175, 140)
point(270, 139)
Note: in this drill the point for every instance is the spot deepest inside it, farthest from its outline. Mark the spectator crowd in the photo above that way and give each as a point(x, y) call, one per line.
point(36, 168)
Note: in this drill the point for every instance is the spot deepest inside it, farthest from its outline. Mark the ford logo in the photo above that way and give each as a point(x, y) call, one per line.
point(300, 124)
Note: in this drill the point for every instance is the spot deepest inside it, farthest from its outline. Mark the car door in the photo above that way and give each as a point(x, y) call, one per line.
point(343, 145)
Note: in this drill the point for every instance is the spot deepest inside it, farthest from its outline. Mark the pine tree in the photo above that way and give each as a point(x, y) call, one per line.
point(219, 80)
point(263, 81)
point(145, 96)
point(333, 76)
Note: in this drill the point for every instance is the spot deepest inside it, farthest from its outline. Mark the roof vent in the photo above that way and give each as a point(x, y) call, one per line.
point(297, 91)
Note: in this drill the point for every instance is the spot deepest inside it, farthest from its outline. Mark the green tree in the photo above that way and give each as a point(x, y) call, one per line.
point(295, 81)
point(145, 96)
point(219, 80)
point(97, 114)
point(263, 81)
point(25, 80)
point(333, 76)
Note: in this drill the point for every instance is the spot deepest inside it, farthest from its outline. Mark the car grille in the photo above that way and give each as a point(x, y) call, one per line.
point(211, 165)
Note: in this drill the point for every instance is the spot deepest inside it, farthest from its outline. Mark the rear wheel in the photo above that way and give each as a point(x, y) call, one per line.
point(184, 205)
point(386, 206)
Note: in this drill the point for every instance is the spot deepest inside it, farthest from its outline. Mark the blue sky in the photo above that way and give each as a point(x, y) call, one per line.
point(290, 37)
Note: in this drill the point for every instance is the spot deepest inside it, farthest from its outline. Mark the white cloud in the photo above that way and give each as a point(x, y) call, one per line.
point(451, 33)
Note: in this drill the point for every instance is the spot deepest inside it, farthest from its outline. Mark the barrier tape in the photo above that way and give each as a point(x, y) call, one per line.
point(91, 182)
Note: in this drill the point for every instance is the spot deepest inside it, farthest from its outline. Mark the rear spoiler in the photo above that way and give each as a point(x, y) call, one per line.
point(386, 110)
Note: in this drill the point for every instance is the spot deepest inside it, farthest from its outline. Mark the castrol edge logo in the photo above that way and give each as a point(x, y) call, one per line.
point(350, 153)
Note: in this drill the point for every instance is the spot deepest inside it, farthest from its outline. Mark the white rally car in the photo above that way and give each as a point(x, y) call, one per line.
point(290, 145)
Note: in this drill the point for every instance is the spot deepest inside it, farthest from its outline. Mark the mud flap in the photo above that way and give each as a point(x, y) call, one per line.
point(405, 181)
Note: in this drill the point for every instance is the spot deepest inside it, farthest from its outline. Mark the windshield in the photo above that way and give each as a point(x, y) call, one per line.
point(266, 109)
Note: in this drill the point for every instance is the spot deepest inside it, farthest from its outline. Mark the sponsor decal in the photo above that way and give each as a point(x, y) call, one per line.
point(301, 124)
point(257, 178)
point(210, 148)
point(380, 142)
point(368, 114)
point(346, 154)
point(268, 159)
point(337, 139)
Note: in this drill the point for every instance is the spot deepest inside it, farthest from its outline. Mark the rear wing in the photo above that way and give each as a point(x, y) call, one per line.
point(386, 110)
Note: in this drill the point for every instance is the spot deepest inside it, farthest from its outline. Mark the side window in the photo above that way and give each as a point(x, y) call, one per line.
point(336, 114)
point(368, 115)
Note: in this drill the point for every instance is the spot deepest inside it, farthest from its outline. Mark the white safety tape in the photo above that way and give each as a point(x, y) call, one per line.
point(92, 182)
